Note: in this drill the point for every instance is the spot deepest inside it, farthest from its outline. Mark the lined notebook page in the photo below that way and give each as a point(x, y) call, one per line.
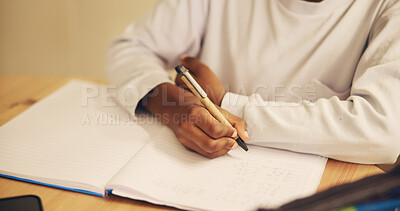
point(164, 172)
point(61, 141)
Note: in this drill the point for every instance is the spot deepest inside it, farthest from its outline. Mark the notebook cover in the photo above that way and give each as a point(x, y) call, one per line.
point(106, 192)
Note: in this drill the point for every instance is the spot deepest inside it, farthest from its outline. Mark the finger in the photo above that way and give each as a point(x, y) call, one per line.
point(238, 123)
point(218, 153)
point(212, 127)
point(194, 147)
point(208, 144)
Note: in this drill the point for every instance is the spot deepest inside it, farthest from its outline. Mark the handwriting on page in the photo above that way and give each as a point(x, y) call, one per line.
point(246, 183)
point(264, 181)
point(240, 180)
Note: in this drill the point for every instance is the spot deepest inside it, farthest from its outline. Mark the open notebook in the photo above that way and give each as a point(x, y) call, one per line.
point(89, 146)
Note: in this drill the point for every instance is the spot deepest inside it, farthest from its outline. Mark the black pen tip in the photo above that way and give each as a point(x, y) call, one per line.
point(242, 144)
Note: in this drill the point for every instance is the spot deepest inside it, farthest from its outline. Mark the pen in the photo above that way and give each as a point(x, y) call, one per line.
point(201, 94)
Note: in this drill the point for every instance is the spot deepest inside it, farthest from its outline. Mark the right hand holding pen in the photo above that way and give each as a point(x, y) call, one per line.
point(192, 123)
point(201, 132)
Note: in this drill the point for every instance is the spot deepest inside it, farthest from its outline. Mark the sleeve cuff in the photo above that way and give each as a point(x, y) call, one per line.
point(234, 103)
point(132, 92)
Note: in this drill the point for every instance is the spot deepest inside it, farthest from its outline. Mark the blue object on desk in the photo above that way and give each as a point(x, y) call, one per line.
point(57, 186)
point(381, 205)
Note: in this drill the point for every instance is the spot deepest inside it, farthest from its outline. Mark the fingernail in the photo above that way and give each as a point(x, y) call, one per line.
point(234, 146)
point(234, 134)
point(183, 56)
point(246, 134)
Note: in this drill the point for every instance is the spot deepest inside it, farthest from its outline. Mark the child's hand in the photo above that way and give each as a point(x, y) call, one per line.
point(198, 130)
point(193, 125)
point(205, 77)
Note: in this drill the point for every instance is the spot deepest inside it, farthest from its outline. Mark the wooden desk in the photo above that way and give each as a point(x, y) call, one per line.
point(17, 93)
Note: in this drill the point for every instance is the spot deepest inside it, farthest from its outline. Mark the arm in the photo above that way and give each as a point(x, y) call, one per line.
point(137, 60)
point(365, 128)
point(137, 64)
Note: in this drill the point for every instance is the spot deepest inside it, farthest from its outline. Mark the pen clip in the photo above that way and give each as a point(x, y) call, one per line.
point(184, 72)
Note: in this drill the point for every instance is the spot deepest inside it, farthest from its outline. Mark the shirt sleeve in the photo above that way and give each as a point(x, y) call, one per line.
point(137, 61)
point(364, 128)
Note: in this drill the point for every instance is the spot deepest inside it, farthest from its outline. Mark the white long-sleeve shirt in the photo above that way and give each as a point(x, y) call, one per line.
point(321, 78)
